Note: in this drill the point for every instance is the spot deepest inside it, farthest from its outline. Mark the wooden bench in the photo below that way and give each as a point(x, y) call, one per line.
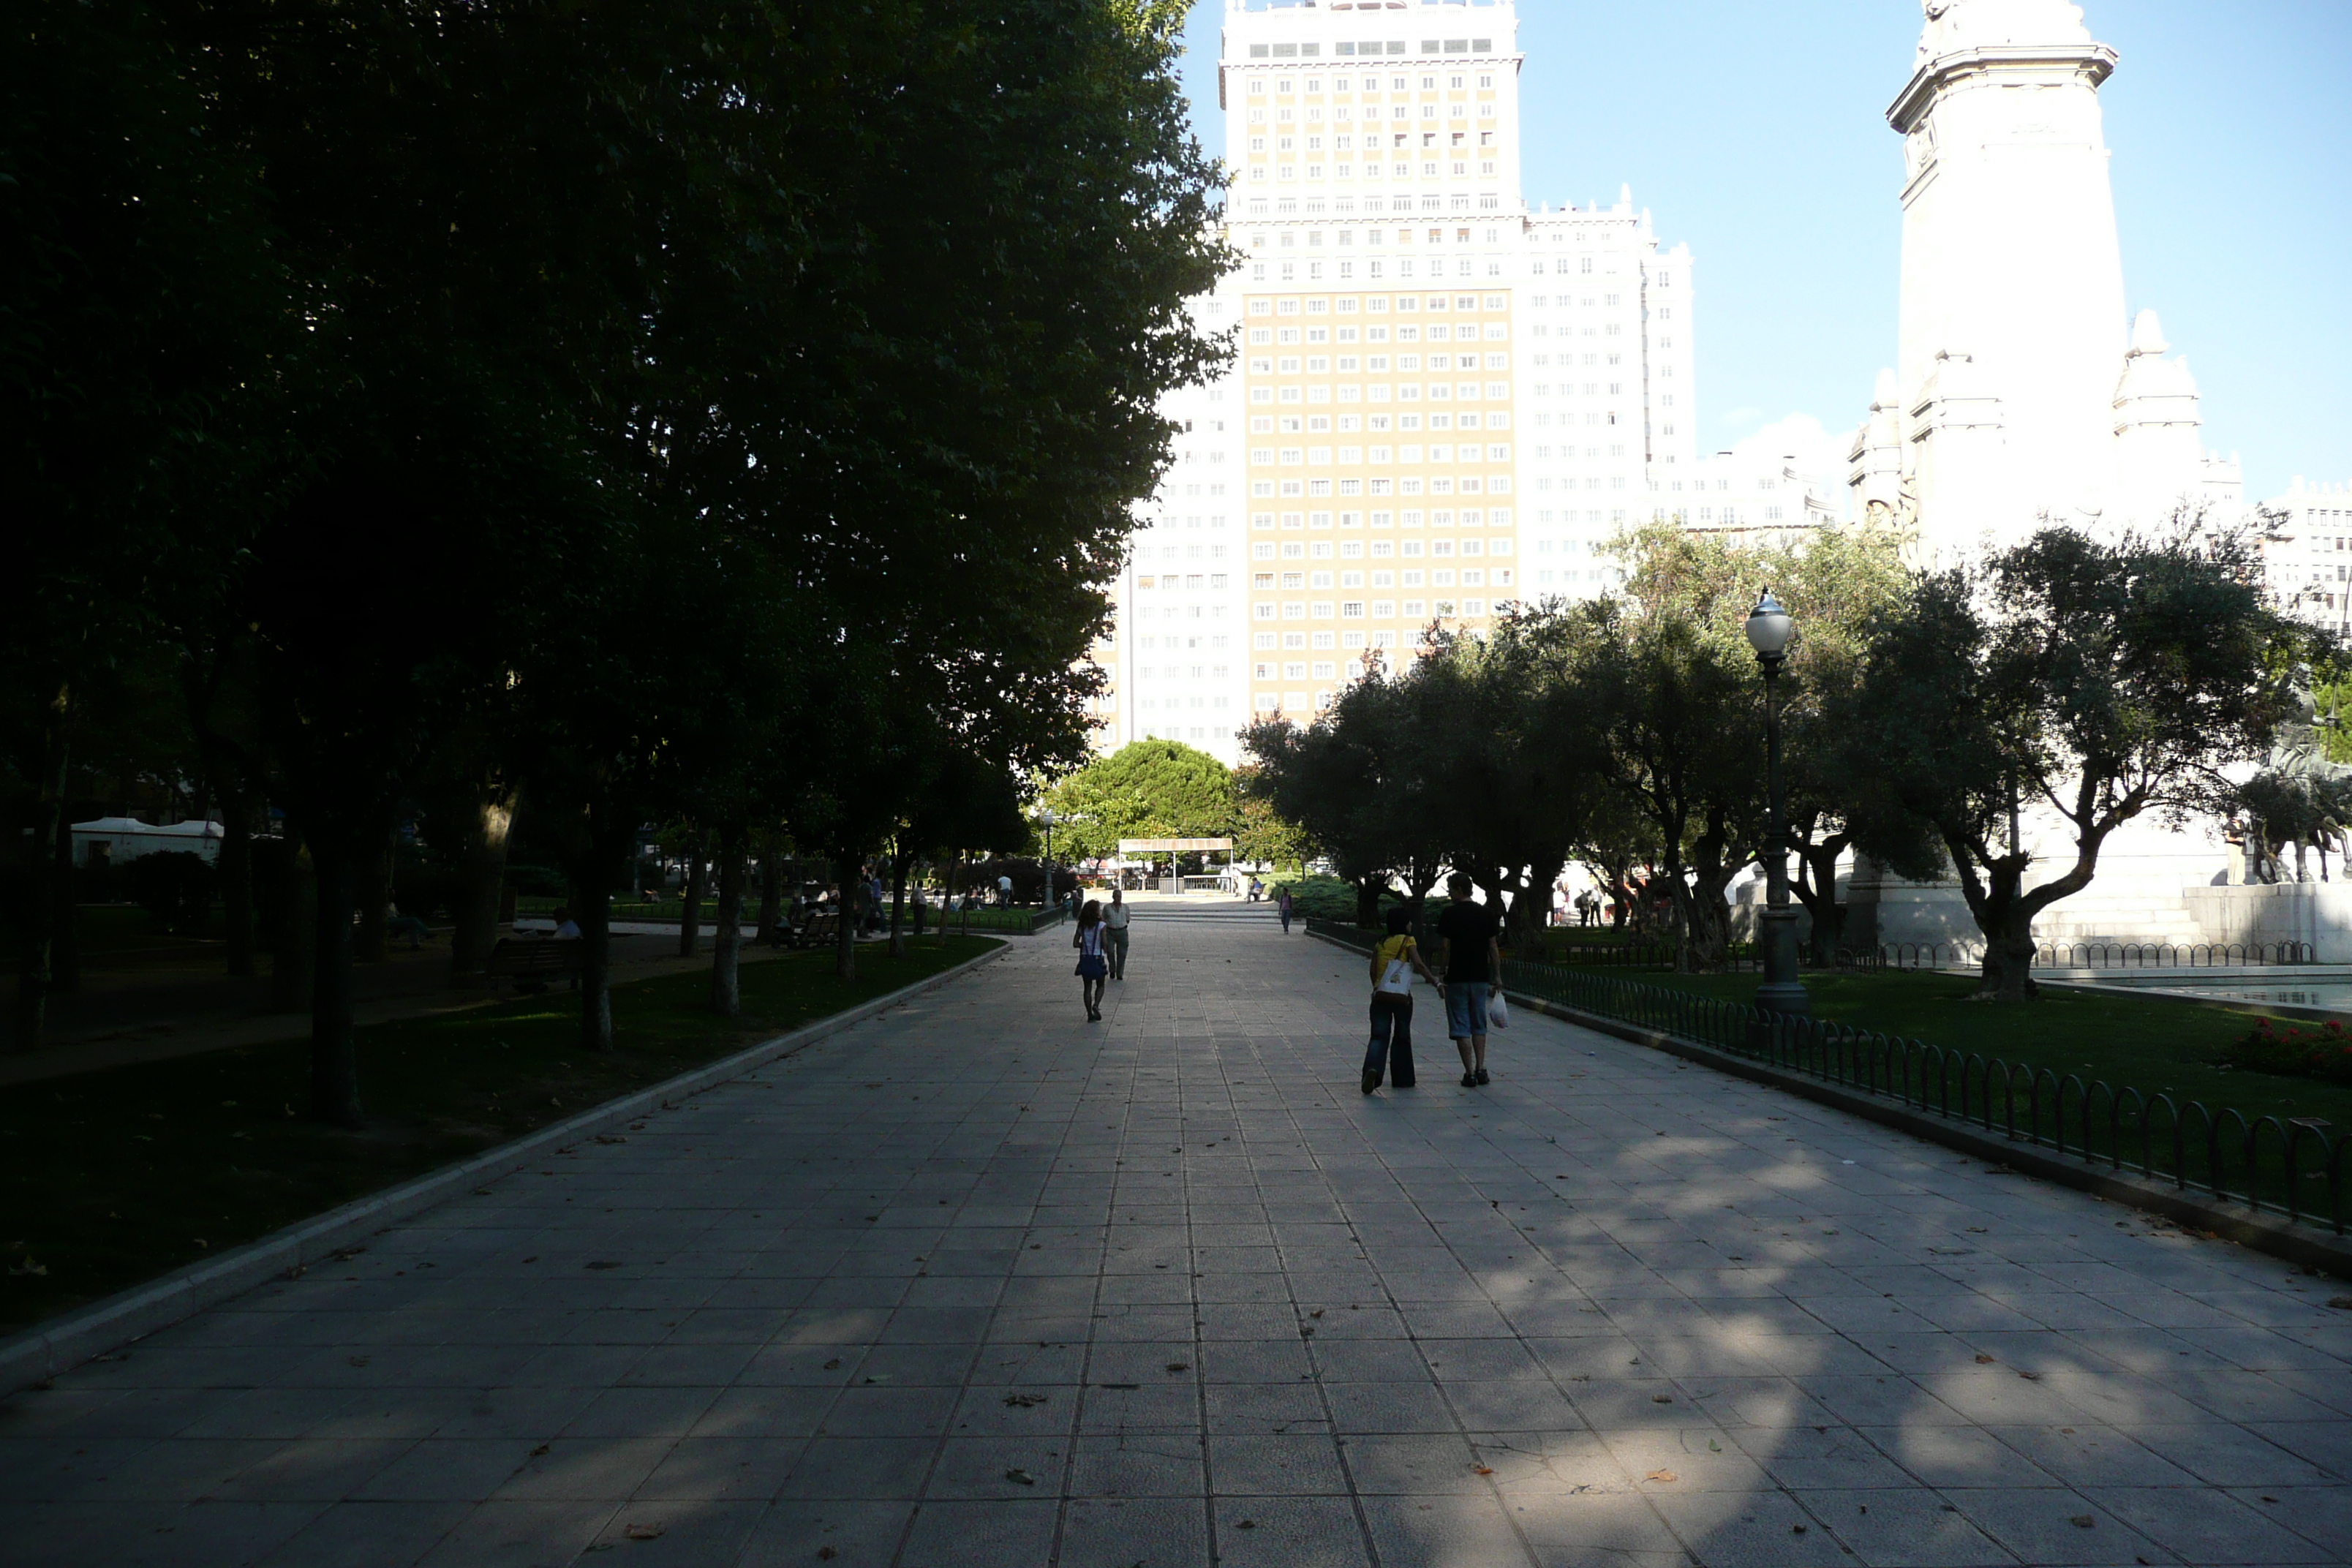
point(817, 931)
point(531, 962)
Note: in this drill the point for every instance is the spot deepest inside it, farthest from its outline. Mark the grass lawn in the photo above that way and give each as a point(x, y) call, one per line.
point(103, 929)
point(110, 1178)
point(2154, 1046)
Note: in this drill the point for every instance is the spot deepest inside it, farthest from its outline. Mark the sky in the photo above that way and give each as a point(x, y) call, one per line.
point(1756, 133)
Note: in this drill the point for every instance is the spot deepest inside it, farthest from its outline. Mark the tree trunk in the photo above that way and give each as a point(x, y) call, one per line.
point(1816, 889)
point(772, 901)
point(334, 1058)
point(727, 940)
point(65, 935)
point(591, 911)
point(689, 919)
point(482, 874)
point(234, 866)
point(237, 882)
point(899, 863)
point(845, 953)
point(370, 893)
point(36, 972)
point(293, 946)
point(2008, 974)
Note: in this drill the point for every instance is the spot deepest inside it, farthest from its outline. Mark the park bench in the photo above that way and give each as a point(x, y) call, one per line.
point(817, 931)
point(531, 962)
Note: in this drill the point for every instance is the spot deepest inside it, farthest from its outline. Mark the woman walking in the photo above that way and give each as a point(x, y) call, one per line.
point(1092, 963)
point(1393, 963)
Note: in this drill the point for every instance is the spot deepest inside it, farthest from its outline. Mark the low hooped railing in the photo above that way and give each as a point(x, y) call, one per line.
point(2087, 955)
point(2289, 1166)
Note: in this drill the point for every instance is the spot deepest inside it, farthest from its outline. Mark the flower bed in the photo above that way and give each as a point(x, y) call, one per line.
point(2323, 1052)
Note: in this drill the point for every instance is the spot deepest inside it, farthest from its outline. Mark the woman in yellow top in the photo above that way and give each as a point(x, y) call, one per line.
point(1394, 962)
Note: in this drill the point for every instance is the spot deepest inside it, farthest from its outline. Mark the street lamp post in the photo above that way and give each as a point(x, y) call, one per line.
point(1769, 629)
point(1048, 818)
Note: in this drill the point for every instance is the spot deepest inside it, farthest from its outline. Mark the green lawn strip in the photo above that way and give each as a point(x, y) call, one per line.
point(2144, 1043)
point(103, 929)
point(110, 1178)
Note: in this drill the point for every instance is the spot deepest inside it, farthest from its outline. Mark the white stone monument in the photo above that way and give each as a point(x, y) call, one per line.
point(2024, 390)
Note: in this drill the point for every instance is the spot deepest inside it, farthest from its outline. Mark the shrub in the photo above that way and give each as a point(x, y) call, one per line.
point(1325, 898)
point(174, 885)
point(2324, 1052)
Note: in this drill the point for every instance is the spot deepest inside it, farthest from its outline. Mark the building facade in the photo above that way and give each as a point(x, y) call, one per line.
point(2307, 552)
point(1441, 401)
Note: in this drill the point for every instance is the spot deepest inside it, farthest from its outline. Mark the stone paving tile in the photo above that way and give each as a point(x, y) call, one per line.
point(978, 1283)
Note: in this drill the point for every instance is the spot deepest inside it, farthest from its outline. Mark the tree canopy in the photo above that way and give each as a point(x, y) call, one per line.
point(1145, 789)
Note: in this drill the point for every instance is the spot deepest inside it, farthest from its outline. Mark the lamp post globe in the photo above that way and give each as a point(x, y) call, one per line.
point(1770, 629)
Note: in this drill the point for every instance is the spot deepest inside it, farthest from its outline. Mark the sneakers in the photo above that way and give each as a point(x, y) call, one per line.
point(1469, 1080)
point(1371, 1080)
point(1483, 1079)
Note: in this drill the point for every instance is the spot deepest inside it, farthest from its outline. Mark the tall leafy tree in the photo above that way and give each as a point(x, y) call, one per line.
point(144, 317)
point(1145, 789)
point(2073, 681)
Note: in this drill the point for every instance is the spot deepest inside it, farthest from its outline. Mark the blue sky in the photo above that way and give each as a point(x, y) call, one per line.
point(1756, 133)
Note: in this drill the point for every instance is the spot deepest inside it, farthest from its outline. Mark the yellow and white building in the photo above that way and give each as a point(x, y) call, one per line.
point(1441, 401)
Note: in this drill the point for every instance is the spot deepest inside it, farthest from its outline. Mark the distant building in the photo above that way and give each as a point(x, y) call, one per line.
point(112, 840)
point(1436, 389)
point(2307, 552)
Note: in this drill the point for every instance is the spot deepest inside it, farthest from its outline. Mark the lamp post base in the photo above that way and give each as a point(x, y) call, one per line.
point(1781, 992)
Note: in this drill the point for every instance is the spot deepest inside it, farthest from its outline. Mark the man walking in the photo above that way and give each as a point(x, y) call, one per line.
point(1114, 918)
point(1472, 961)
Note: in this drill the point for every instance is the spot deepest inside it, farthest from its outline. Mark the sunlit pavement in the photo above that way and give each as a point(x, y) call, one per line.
point(980, 1283)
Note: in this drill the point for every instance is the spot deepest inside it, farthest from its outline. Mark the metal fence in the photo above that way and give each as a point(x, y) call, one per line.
point(2270, 1163)
point(2086, 955)
point(2287, 1165)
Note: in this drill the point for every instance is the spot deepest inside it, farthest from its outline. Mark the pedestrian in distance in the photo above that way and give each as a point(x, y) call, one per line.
point(1283, 903)
point(1394, 962)
point(1115, 920)
point(1472, 960)
point(1093, 965)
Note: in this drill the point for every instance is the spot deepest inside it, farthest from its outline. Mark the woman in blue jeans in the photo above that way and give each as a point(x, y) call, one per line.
point(1393, 963)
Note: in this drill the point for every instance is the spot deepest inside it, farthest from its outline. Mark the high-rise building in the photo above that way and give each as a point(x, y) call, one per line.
point(2307, 552)
point(1441, 401)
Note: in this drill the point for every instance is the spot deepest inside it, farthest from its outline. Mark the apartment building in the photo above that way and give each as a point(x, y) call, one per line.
point(1435, 388)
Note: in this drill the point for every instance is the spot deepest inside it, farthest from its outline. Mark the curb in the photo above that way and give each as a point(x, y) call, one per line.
point(39, 1353)
point(2260, 1231)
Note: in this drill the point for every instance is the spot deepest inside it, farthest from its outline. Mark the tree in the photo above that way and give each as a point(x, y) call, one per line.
point(1145, 789)
point(2090, 682)
point(1261, 834)
point(142, 309)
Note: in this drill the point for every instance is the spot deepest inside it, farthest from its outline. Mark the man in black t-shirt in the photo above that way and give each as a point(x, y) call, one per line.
point(1474, 967)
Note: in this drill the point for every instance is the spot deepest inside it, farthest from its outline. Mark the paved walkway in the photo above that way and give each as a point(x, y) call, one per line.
point(980, 1284)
